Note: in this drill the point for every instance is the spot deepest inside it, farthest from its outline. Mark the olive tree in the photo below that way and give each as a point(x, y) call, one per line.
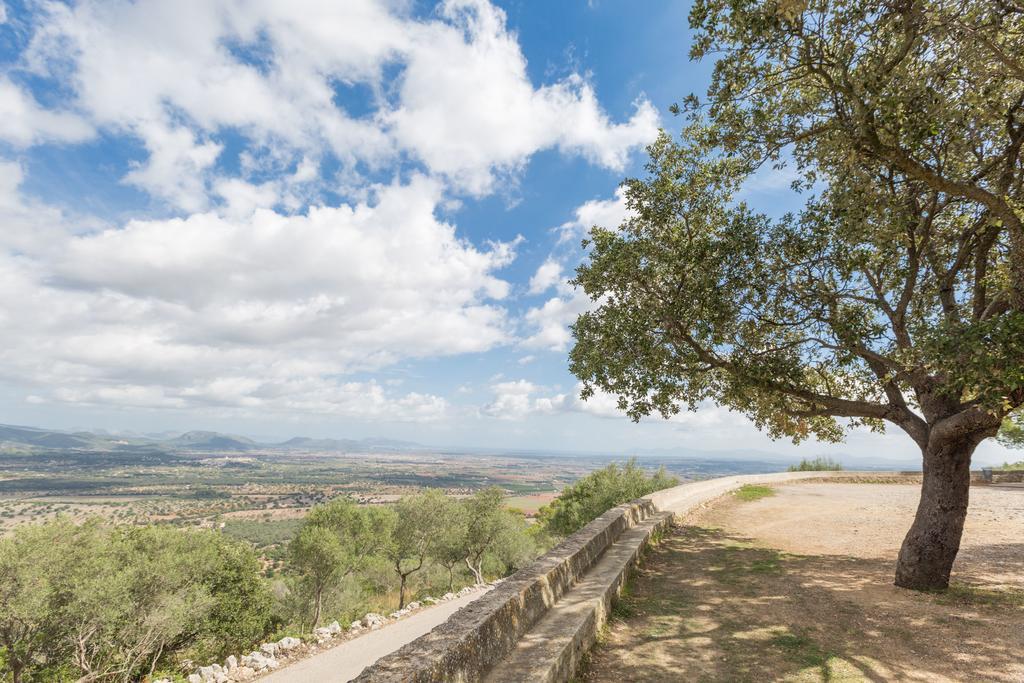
point(336, 539)
point(489, 528)
point(417, 528)
point(893, 295)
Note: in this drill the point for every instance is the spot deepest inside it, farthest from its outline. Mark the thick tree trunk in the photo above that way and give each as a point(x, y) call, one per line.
point(930, 547)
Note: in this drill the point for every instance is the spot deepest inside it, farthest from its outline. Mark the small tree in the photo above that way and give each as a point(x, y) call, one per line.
point(449, 548)
point(488, 527)
point(317, 554)
point(894, 295)
point(417, 527)
point(336, 539)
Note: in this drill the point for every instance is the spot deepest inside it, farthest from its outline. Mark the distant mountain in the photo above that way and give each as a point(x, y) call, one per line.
point(210, 441)
point(33, 438)
point(45, 438)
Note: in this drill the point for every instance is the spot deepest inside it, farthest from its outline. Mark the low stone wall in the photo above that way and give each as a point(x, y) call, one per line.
point(485, 631)
point(1007, 476)
point(479, 636)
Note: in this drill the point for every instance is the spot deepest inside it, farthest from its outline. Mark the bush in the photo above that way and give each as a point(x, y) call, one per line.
point(110, 603)
point(597, 493)
point(819, 464)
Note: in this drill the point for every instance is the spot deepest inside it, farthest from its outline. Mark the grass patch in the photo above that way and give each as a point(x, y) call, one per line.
point(749, 492)
point(966, 595)
point(804, 651)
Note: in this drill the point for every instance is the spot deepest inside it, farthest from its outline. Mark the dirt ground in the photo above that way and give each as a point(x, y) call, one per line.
point(798, 587)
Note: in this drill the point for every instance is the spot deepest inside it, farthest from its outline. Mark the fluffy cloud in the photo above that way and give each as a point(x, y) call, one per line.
point(605, 213)
point(263, 312)
point(251, 115)
point(461, 103)
point(466, 105)
point(549, 323)
point(26, 123)
point(548, 275)
point(519, 399)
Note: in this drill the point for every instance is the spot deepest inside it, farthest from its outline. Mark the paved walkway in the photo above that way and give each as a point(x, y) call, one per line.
point(345, 661)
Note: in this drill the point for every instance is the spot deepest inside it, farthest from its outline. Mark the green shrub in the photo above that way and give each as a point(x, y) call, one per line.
point(108, 603)
point(597, 493)
point(819, 464)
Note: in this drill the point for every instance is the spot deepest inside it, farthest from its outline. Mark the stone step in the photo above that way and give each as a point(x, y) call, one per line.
point(551, 650)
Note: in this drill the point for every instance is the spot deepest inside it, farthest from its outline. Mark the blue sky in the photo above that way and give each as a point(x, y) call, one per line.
point(324, 218)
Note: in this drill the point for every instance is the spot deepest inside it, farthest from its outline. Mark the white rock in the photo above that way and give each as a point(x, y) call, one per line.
point(220, 677)
point(288, 643)
point(395, 615)
point(205, 673)
point(231, 663)
point(431, 600)
point(334, 627)
point(243, 673)
point(195, 678)
point(258, 661)
point(356, 625)
point(374, 620)
point(269, 649)
point(449, 596)
point(414, 605)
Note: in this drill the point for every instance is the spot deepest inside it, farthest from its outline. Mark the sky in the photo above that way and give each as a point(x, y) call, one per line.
point(326, 218)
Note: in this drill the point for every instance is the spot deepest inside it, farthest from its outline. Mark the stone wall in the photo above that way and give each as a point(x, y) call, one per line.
point(484, 633)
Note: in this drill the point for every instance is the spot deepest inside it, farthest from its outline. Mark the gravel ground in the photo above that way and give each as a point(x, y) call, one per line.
point(798, 587)
point(870, 520)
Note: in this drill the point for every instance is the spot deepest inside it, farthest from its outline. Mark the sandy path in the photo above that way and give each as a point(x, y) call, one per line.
point(346, 661)
point(870, 521)
point(798, 587)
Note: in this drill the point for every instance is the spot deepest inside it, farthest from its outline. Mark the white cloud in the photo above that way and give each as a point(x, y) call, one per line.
point(603, 404)
point(463, 103)
point(548, 275)
point(177, 166)
point(265, 311)
point(258, 298)
point(26, 123)
point(467, 106)
point(3, 13)
point(605, 213)
point(519, 399)
point(549, 323)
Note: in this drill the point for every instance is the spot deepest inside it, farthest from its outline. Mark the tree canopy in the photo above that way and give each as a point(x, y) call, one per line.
point(93, 602)
point(895, 294)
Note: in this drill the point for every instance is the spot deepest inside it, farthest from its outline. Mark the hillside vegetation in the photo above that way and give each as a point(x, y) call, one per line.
point(599, 492)
point(102, 602)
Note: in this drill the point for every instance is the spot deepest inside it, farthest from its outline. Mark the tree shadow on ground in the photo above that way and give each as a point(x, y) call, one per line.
point(712, 606)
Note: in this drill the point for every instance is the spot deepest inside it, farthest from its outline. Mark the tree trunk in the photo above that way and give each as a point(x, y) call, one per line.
point(930, 547)
point(401, 592)
point(451, 577)
point(317, 605)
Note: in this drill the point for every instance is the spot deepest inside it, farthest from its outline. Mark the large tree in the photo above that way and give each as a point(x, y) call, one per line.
point(893, 294)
